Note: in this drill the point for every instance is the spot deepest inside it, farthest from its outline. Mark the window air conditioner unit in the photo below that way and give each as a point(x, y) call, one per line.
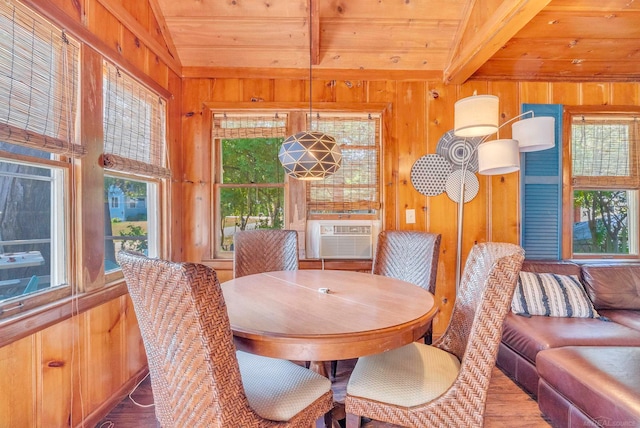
point(341, 239)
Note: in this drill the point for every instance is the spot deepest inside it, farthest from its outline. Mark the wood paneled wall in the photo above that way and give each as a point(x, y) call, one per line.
point(71, 373)
point(421, 112)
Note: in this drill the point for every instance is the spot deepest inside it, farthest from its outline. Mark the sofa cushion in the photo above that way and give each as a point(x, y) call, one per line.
point(603, 382)
point(560, 267)
point(529, 335)
point(551, 295)
point(623, 316)
point(613, 286)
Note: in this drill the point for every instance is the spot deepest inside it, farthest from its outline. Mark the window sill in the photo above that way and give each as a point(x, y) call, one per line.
point(30, 322)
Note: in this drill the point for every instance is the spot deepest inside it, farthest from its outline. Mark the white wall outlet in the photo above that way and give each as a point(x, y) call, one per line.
point(410, 216)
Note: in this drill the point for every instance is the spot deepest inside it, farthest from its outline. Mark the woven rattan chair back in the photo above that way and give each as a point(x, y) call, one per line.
point(185, 328)
point(483, 300)
point(473, 335)
point(408, 255)
point(264, 250)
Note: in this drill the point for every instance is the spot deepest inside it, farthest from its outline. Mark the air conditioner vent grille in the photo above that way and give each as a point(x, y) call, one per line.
point(352, 230)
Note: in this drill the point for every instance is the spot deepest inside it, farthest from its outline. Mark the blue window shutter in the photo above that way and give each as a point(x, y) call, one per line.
point(541, 181)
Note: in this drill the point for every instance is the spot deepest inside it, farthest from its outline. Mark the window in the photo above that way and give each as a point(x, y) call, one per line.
point(252, 191)
point(39, 75)
point(33, 250)
point(250, 185)
point(131, 226)
point(605, 182)
point(135, 155)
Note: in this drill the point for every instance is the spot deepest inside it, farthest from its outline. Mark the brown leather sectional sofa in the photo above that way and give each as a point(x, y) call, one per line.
point(583, 371)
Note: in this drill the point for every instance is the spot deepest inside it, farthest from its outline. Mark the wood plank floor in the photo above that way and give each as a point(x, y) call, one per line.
point(507, 405)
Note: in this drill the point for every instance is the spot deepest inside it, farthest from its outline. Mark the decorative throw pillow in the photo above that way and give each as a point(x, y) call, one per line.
point(551, 295)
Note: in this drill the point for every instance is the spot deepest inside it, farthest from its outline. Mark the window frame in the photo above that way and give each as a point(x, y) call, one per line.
point(60, 238)
point(571, 184)
point(295, 190)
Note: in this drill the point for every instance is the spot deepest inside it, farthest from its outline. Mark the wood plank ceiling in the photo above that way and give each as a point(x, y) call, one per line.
point(454, 40)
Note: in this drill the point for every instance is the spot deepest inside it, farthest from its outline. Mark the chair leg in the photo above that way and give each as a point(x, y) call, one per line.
point(334, 369)
point(353, 421)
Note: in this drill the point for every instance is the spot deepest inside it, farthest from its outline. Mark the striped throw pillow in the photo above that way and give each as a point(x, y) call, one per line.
point(551, 295)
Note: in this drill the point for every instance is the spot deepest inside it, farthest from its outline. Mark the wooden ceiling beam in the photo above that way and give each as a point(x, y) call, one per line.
point(314, 24)
point(302, 74)
point(164, 31)
point(122, 15)
point(508, 18)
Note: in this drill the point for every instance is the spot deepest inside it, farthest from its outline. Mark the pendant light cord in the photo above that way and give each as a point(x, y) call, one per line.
point(310, 64)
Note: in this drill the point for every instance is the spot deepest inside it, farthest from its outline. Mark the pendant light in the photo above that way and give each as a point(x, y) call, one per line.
point(310, 155)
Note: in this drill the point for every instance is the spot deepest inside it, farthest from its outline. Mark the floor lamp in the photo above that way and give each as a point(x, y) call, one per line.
point(478, 116)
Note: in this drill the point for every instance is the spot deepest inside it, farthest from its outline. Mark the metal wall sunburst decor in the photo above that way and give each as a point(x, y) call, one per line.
point(459, 151)
point(429, 174)
point(433, 174)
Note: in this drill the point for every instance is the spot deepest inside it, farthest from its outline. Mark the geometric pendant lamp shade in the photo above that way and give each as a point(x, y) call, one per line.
point(310, 155)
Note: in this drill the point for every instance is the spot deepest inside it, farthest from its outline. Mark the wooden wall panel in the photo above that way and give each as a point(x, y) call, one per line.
point(172, 213)
point(18, 379)
point(411, 111)
point(596, 93)
point(535, 92)
point(503, 191)
point(104, 25)
point(288, 90)
point(64, 376)
point(70, 372)
point(105, 350)
point(257, 90)
point(442, 212)
point(351, 91)
point(386, 92)
point(624, 94)
point(223, 89)
point(196, 161)
point(132, 48)
point(560, 93)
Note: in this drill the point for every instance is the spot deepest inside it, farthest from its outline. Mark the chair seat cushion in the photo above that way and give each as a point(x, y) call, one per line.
point(408, 376)
point(279, 389)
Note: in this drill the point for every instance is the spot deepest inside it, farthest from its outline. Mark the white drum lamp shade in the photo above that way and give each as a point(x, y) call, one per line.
point(476, 116)
point(534, 134)
point(498, 157)
point(310, 155)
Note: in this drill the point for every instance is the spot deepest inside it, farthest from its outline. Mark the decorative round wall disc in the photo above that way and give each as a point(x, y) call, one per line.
point(471, 185)
point(459, 150)
point(429, 174)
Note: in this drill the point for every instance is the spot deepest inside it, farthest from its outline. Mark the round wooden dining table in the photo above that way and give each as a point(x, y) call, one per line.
point(325, 315)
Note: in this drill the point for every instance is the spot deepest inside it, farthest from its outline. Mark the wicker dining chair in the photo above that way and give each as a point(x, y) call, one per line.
point(444, 384)
point(197, 376)
point(411, 256)
point(264, 250)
